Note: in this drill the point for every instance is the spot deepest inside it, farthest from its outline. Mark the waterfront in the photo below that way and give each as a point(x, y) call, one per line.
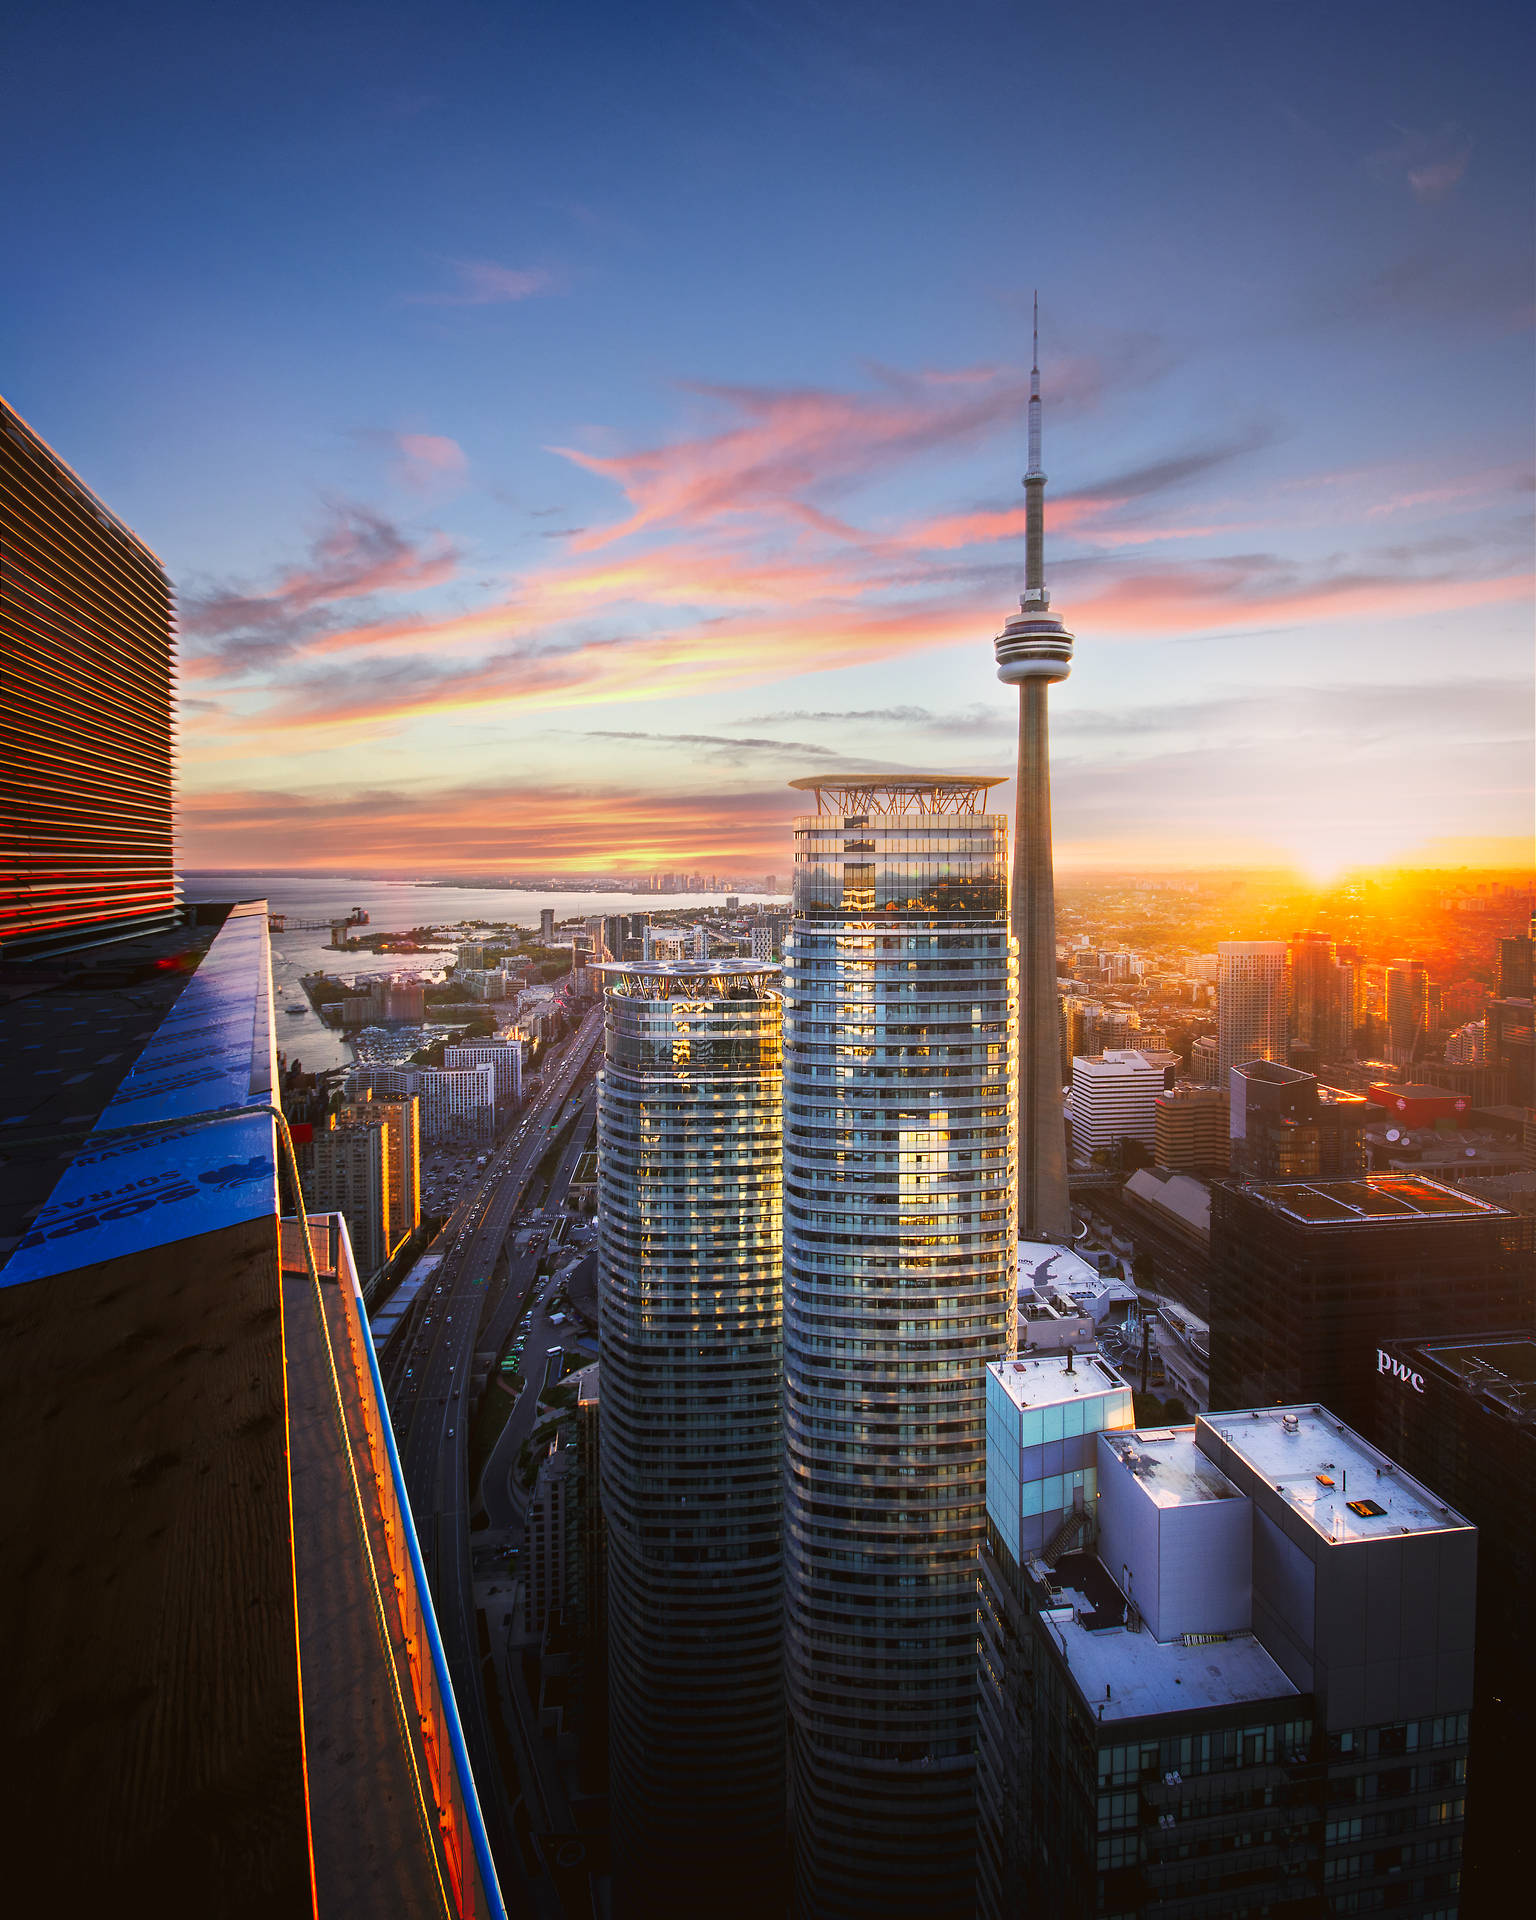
point(393, 906)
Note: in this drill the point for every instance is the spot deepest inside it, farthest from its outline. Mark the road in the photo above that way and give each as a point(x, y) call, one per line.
point(432, 1404)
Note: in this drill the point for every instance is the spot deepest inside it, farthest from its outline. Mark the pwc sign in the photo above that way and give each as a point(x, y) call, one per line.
point(1386, 1364)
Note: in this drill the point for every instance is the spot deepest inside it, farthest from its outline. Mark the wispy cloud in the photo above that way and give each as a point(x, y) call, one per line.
point(718, 746)
point(356, 553)
point(783, 452)
point(729, 572)
point(486, 283)
point(1433, 163)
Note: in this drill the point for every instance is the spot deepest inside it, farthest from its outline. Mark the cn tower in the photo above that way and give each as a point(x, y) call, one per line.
point(1033, 650)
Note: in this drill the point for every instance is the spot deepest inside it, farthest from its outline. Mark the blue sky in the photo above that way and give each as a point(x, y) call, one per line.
point(565, 425)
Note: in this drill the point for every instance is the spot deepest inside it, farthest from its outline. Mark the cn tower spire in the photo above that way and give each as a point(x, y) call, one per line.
point(1033, 650)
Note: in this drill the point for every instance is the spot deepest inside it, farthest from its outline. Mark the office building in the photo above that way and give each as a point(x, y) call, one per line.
point(899, 1287)
point(347, 1169)
point(1250, 1003)
point(690, 1141)
point(1510, 1034)
point(86, 729)
point(1284, 1126)
point(546, 926)
point(1321, 996)
point(549, 1566)
point(1191, 1130)
point(1517, 965)
point(1461, 1415)
point(505, 1055)
point(1114, 1099)
point(404, 1000)
point(1406, 993)
point(1034, 651)
point(202, 1418)
point(1237, 1680)
point(1205, 1062)
point(456, 1103)
point(364, 1162)
point(1309, 1278)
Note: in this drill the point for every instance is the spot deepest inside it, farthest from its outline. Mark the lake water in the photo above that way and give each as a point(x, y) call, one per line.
point(392, 907)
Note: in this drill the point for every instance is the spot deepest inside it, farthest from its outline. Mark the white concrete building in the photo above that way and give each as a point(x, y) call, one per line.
point(504, 1054)
point(456, 1104)
point(1114, 1098)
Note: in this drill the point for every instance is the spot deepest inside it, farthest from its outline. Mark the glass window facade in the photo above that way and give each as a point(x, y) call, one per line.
point(86, 731)
point(689, 1169)
point(899, 1173)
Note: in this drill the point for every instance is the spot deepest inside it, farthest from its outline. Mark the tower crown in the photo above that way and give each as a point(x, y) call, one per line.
point(1034, 645)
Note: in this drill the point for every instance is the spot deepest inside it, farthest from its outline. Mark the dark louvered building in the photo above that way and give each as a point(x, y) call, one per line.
point(85, 712)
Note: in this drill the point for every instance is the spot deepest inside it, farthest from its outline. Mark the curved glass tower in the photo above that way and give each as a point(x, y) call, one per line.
point(899, 1288)
point(690, 1288)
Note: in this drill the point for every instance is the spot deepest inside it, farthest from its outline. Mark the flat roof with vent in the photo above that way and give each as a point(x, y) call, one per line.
point(1048, 1380)
point(1329, 1474)
point(1379, 1196)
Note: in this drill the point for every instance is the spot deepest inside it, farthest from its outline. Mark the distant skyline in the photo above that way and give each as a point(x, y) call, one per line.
point(565, 428)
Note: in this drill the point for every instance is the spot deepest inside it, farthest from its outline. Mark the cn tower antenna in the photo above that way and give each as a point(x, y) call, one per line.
point(1034, 650)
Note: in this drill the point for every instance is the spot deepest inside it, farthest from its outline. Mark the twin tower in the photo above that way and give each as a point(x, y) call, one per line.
point(811, 1187)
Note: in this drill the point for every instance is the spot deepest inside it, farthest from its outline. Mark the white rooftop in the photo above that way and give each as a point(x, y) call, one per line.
point(1146, 1676)
point(1323, 1469)
point(1044, 1263)
point(1049, 1380)
point(1170, 1469)
point(1119, 1060)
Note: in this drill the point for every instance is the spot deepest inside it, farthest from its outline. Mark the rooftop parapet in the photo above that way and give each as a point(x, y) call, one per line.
point(1343, 1487)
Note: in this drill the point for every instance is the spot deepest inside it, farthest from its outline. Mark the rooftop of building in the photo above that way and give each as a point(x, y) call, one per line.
point(880, 793)
point(1122, 1060)
point(1180, 1194)
point(1271, 1072)
point(1050, 1380)
point(1171, 1470)
point(1345, 1488)
point(1046, 1263)
point(1124, 1675)
point(1047, 1269)
point(1497, 1368)
point(1374, 1197)
point(1413, 1090)
point(364, 1784)
point(158, 1030)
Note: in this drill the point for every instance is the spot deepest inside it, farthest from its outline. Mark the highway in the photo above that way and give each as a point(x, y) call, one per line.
point(431, 1406)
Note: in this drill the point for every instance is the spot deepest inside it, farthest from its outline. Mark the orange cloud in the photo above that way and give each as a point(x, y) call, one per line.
point(497, 828)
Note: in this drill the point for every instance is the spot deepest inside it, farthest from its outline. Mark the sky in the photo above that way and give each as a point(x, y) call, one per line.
point(565, 425)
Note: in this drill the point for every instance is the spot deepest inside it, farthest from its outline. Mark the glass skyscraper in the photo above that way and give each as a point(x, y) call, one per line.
point(899, 1176)
point(689, 1165)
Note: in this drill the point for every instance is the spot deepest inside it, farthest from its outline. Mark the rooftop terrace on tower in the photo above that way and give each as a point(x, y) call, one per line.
point(915, 847)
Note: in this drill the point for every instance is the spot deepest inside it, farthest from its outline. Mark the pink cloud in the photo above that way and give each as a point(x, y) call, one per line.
point(780, 447)
point(432, 452)
point(482, 283)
